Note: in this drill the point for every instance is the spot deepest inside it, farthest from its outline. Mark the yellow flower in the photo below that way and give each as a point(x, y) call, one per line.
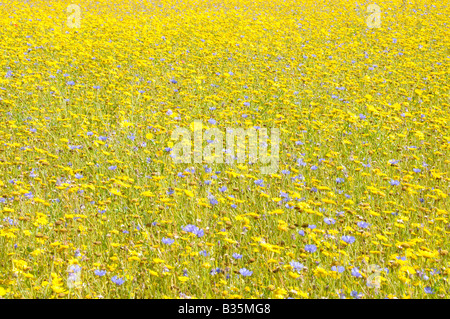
point(294, 275)
point(183, 278)
point(153, 273)
point(157, 260)
point(189, 193)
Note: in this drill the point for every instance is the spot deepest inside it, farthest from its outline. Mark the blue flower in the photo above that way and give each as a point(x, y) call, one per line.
point(167, 241)
point(339, 269)
point(329, 221)
point(212, 200)
point(208, 169)
point(355, 294)
point(296, 265)
point(393, 162)
point(100, 273)
point(214, 271)
point(301, 232)
point(259, 182)
point(348, 239)
point(416, 170)
point(434, 271)
point(199, 232)
point(362, 224)
point(429, 290)
point(29, 195)
point(75, 268)
point(356, 273)
point(394, 182)
point(245, 272)
point(78, 176)
point(284, 195)
point(189, 228)
point(194, 230)
point(236, 256)
point(310, 248)
point(117, 281)
point(223, 189)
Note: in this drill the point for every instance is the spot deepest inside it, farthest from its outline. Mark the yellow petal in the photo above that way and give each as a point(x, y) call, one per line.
point(189, 193)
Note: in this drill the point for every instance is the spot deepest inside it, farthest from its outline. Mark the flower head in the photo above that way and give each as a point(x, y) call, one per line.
point(117, 281)
point(245, 272)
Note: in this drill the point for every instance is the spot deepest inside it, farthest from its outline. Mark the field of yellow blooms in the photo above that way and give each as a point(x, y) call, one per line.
point(92, 204)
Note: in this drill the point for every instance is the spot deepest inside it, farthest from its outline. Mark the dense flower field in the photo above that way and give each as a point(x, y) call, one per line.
point(92, 204)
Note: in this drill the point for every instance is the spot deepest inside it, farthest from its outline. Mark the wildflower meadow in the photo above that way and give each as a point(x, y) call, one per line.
point(224, 149)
